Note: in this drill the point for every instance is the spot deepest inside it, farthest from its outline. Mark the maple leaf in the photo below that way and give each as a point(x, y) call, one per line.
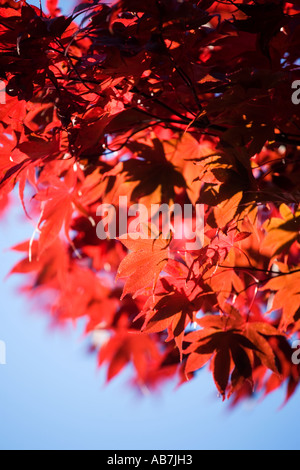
point(230, 337)
point(281, 233)
point(143, 265)
point(263, 19)
point(221, 245)
point(59, 204)
point(50, 267)
point(52, 7)
point(174, 306)
point(222, 347)
point(153, 177)
point(124, 347)
point(287, 294)
point(226, 211)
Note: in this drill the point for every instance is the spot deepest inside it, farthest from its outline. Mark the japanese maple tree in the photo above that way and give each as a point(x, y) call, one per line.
point(164, 102)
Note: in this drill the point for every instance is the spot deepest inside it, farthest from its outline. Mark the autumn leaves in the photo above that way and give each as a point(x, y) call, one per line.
point(175, 103)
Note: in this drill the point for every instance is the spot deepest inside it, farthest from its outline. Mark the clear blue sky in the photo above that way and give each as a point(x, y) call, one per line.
point(53, 397)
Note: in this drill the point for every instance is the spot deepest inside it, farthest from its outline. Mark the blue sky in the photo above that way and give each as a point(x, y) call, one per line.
point(52, 395)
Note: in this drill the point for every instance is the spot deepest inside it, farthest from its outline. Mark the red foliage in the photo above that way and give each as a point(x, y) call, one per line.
point(163, 101)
